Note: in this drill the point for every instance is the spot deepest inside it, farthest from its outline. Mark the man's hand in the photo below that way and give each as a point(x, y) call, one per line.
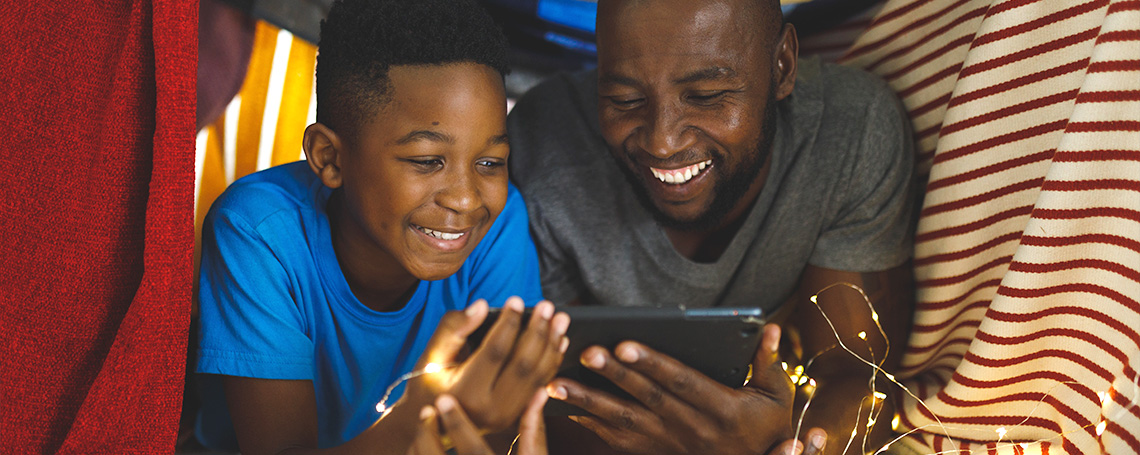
point(463, 434)
point(679, 410)
point(496, 382)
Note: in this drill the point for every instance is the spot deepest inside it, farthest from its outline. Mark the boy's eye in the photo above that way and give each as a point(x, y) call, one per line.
point(491, 163)
point(426, 163)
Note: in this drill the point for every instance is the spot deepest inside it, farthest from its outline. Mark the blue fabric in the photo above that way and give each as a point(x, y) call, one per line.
point(275, 304)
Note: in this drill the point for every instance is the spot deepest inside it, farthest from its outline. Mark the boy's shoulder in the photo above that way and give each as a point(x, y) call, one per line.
point(257, 196)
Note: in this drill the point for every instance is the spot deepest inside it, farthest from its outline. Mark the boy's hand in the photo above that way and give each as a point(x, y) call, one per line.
point(496, 382)
point(465, 437)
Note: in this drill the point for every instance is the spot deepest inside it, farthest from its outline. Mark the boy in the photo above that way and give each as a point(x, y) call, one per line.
point(322, 281)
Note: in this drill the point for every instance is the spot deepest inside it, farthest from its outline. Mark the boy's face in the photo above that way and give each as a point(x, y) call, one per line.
point(426, 177)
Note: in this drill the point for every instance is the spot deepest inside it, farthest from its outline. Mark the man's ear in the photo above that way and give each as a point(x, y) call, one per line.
point(787, 51)
point(323, 149)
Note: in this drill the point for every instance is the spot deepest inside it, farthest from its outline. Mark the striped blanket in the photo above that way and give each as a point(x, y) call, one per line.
point(1027, 256)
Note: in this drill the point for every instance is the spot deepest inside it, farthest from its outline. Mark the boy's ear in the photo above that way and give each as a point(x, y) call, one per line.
point(323, 149)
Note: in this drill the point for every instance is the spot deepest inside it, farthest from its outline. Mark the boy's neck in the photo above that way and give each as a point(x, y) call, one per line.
point(375, 278)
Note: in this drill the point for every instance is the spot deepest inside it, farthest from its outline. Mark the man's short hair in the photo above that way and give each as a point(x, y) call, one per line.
point(361, 39)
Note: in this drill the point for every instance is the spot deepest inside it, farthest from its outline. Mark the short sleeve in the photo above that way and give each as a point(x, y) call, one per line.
point(250, 323)
point(873, 225)
point(506, 264)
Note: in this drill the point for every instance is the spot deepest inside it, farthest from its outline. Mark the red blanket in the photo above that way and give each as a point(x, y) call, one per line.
point(96, 214)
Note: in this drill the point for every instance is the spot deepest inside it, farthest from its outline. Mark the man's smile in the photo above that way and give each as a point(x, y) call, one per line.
point(680, 175)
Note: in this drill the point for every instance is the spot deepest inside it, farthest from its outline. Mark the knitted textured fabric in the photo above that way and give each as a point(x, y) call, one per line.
point(96, 216)
point(1027, 261)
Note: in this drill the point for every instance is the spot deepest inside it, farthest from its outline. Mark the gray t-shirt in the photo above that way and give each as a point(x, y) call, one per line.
point(838, 195)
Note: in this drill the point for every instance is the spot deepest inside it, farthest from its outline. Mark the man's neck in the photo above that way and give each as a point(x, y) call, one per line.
point(373, 275)
point(708, 245)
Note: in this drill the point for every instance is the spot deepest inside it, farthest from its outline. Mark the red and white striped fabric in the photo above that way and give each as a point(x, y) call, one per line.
point(1027, 256)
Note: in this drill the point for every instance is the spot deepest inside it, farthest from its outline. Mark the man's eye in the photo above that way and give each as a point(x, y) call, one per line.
point(625, 103)
point(706, 97)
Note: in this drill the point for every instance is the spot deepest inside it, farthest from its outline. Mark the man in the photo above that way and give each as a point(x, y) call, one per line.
point(701, 164)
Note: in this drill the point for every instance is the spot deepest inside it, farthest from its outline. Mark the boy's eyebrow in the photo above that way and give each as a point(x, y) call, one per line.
point(425, 135)
point(499, 140)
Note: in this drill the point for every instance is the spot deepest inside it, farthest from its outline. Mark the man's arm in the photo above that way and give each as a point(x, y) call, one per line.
point(843, 380)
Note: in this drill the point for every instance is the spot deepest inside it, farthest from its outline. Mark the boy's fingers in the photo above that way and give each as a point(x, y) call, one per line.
point(451, 335)
point(427, 440)
point(487, 361)
point(459, 428)
point(532, 427)
point(816, 439)
point(535, 358)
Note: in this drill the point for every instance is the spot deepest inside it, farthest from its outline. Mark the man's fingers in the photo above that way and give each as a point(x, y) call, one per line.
point(618, 413)
point(816, 438)
point(532, 427)
point(459, 428)
point(671, 379)
point(767, 375)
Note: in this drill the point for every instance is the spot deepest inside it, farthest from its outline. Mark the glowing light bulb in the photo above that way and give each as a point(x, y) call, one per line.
point(875, 316)
point(799, 369)
point(863, 335)
point(1103, 396)
point(880, 396)
point(1024, 445)
point(895, 423)
point(1001, 432)
point(870, 423)
point(432, 368)
point(1100, 427)
point(811, 382)
point(813, 298)
point(784, 365)
point(381, 408)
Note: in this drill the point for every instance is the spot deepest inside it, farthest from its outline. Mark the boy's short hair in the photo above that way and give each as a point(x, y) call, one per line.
point(361, 39)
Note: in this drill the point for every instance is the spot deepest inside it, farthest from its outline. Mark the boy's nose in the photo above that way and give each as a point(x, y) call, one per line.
point(459, 194)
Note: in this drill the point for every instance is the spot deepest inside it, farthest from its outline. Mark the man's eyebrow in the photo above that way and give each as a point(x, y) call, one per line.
point(616, 79)
point(706, 74)
point(425, 135)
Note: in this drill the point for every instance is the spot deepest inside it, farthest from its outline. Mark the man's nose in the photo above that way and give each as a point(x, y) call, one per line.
point(459, 194)
point(666, 131)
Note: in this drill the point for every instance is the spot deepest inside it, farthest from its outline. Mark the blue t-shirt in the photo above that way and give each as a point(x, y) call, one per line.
point(275, 304)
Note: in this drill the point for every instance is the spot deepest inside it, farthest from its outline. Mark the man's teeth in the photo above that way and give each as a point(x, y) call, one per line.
point(440, 235)
point(679, 176)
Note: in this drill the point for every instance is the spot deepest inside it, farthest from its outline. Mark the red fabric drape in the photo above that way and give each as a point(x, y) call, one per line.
point(97, 172)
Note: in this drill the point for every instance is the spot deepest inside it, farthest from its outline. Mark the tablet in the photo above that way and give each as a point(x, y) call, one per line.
point(719, 342)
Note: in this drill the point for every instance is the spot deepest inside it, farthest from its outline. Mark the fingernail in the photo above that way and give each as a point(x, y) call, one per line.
point(595, 360)
point(556, 392)
point(560, 324)
point(474, 307)
point(794, 449)
point(445, 403)
point(426, 412)
point(515, 304)
point(818, 441)
point(545, 310)
point(628, 354)
point(563, 345)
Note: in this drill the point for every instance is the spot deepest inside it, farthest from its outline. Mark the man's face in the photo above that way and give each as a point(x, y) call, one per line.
point(686, 101)
point(426, 177)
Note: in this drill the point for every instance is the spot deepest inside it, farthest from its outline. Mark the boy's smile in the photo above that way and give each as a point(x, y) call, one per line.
point(423, 179)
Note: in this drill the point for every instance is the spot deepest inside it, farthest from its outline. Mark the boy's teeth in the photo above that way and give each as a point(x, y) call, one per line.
point(441, 235)
point(679, 176)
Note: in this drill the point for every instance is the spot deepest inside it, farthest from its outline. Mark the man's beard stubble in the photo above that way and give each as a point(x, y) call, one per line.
point(726, 193)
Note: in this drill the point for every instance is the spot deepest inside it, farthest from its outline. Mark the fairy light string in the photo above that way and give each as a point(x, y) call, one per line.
point(799, 377)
